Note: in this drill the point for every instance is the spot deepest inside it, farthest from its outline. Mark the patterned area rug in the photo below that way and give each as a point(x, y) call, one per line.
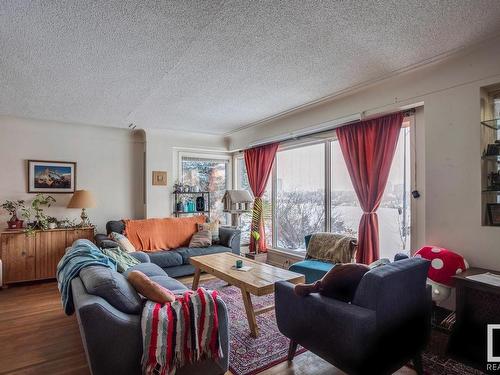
point(248, 355)
point(437, 362)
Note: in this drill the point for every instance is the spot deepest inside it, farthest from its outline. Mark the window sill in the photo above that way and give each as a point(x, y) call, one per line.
point(296, 254)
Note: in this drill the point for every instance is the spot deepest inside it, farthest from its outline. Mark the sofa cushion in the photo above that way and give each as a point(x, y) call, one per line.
point(166, 258)
point(140, 256)
point(149, 269)
point(113, 287)
point(169, 283)
point(313, 270)
point(213, 227)
point(187, 252)
point(122, 242)
point(117, 226)
point(202, 238)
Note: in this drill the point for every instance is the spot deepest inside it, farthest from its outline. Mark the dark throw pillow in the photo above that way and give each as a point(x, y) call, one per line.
point(340, 282)
point(113, 287)
point(202, 238)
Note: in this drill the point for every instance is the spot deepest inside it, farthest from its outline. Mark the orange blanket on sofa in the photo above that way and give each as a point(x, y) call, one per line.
point(162, 234)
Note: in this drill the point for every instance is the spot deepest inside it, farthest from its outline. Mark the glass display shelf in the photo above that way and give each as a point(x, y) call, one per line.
point(191, 192)
point(492, 190)
point(493, 124)
point(495, 158)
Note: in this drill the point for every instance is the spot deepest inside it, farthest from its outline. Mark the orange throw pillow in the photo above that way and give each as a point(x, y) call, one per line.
point(150, 289)
point(162, 234)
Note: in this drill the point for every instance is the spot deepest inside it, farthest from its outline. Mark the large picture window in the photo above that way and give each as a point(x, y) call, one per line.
point(300, 195)
point(306, 177)
point(394, 211)
point(208, 174)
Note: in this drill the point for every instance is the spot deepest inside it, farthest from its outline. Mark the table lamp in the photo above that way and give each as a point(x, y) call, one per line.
point(82, 199)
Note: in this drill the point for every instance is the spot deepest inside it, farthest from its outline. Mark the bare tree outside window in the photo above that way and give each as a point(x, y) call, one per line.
point(300, 198)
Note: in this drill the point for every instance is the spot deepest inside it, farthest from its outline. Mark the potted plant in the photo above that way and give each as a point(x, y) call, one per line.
point(11, 207)
point(260, 257)
point(52, 222)
point(34, 213)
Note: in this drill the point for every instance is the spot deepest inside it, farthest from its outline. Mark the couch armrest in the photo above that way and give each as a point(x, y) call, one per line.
point(222, 316)
point(230, 237)
point(111, 338)
point(141, 256)
point(332, 329)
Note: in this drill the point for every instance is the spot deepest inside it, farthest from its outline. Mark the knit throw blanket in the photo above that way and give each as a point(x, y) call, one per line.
point(82, 253)
point(178, 333)
point(330, 247)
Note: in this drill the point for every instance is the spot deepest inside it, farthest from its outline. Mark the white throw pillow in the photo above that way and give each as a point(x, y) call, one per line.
point(123, 242)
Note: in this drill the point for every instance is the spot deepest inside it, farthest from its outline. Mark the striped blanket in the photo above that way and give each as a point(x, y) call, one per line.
point(181, 332)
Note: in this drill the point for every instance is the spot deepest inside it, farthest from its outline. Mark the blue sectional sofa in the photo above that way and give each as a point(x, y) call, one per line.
point(109, 311)
point(176, 261)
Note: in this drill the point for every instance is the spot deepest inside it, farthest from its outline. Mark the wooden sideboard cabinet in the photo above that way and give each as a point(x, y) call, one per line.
point(35, 257)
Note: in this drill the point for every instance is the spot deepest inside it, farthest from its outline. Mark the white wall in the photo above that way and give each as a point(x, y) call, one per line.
point(162, 148)
point(109, 163)
point(449, 211)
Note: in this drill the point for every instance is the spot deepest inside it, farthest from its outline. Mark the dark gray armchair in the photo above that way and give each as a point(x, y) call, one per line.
point(386, 325)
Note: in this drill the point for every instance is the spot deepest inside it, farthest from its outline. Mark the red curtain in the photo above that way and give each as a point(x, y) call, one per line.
point(259, 162)
point(368, 148)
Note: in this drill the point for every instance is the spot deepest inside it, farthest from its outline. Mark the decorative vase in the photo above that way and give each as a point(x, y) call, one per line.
point(52, 225)
point(200, 204)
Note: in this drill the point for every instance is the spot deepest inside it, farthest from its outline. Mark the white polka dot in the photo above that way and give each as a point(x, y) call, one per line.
point(459, 271)
point(437, 264)
point(436, 250)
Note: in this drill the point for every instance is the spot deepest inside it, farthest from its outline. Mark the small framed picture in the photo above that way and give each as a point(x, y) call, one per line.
point(160, 178)
point(494, 213)
point(51, 176)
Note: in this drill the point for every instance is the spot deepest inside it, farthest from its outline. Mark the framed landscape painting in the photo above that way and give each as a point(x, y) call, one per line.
point(51, 176)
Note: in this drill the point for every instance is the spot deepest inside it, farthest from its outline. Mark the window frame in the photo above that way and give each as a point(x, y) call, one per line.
point(327, 142)
point(209, 157)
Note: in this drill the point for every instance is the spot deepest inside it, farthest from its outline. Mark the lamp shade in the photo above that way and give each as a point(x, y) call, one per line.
point(82, 199)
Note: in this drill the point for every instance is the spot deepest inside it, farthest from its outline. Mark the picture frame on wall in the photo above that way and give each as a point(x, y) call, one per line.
point(494, 213)
point(52, 177)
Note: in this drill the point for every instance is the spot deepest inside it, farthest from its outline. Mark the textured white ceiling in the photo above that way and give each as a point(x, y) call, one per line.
point(213, 66)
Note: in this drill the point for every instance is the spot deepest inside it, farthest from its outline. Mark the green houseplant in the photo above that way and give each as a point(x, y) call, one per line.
point(11, 207)
point(34, 213)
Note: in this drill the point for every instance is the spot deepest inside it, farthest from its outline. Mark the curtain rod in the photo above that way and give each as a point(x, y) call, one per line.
point(322, 128)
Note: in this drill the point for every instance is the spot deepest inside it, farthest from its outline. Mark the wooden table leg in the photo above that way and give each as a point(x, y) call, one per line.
point(196, 278)
point(252, 322)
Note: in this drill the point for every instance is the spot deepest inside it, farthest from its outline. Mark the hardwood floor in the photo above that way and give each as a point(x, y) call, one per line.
point(36, 337)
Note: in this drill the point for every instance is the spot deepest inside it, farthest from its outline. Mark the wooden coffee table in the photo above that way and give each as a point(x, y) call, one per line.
point(259, 281)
